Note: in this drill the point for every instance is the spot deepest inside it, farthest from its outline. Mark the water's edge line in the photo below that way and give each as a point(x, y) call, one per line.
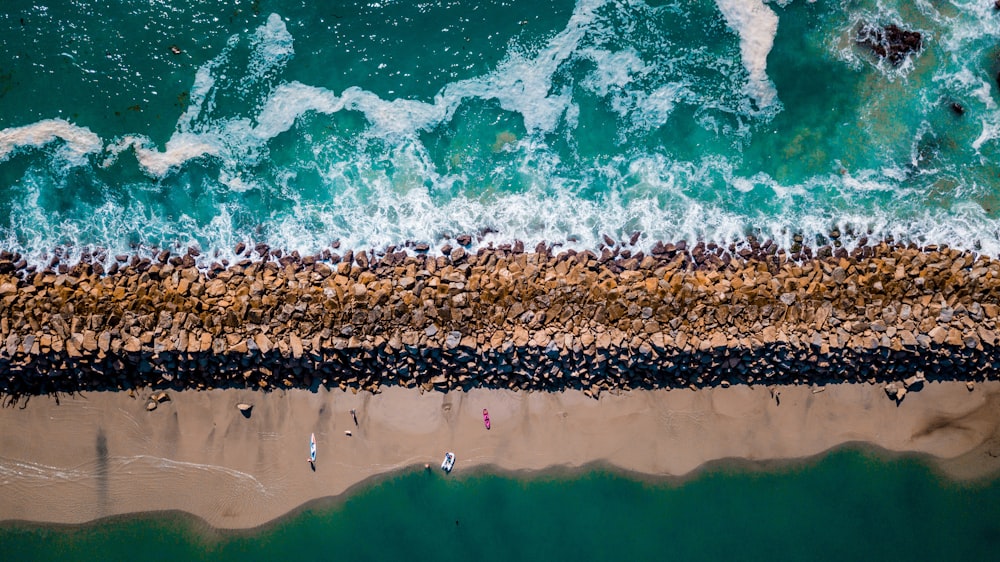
point(202, 527)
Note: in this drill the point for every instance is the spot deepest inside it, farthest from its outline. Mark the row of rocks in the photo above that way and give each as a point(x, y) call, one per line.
point(681, 315)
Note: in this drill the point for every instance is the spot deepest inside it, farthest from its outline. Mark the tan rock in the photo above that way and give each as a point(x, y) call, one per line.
point(296, 346)
point(987, 336)
point(719, 340)
point(89, 341)
point(891, 389)
point(939, 334)
point(263, 343)
point(954, 338)
point(604, 340)
point(521, 336)
point(215, 288)
point(359, 290)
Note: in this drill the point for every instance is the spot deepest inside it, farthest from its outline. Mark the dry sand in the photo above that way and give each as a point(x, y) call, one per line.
point(103, 454)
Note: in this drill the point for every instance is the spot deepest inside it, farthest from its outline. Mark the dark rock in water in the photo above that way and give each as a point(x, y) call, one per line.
point(956, 107)
point(890, 42)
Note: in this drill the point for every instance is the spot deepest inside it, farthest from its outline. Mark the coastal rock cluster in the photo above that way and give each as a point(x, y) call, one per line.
point(680, 315)
point(889, 42)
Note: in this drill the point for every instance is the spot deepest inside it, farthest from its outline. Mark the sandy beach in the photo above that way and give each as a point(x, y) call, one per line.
point(101, 454)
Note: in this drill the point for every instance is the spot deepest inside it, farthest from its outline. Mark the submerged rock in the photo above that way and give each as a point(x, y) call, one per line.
point(890, 42)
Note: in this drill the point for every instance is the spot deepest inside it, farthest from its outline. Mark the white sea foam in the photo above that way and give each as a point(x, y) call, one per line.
point(16, 471)
point(272, 47)
point(78, 141)
point(181, 148)
point(757, 25)
point(652, 110)
point(149, 462)
point(613, 70)
point(522, 83)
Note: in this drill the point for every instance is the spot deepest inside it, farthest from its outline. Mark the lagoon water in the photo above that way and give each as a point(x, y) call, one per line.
point(133, 124)
point(848, 505)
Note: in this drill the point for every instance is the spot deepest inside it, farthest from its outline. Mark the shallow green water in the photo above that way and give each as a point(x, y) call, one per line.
point(846, 506)
point(376, 123)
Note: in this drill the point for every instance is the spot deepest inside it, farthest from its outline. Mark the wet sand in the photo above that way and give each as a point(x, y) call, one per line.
point(102, 454)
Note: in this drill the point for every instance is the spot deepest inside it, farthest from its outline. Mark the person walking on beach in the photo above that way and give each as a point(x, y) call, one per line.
point(354, 414)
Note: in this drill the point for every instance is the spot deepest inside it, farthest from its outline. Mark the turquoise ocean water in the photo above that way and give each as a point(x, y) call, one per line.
point(130, 124)
point(847, 506)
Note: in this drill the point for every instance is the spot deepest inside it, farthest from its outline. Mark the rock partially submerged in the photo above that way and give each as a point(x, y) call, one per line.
point(890, 42)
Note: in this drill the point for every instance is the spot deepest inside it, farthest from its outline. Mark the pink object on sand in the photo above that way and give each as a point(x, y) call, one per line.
point(486, 418)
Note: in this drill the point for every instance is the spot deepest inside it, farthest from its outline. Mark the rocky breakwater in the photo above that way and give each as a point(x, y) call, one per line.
point(681, 315)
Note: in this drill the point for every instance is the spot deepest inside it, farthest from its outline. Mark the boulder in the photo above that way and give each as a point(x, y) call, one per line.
point(890, 42)
point(900, 393)
point(891, 389)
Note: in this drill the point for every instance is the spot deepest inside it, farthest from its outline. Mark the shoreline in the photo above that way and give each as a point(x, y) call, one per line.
point(106, 456)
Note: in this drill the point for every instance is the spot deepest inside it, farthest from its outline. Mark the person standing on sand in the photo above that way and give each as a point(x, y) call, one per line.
point(354, 414)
